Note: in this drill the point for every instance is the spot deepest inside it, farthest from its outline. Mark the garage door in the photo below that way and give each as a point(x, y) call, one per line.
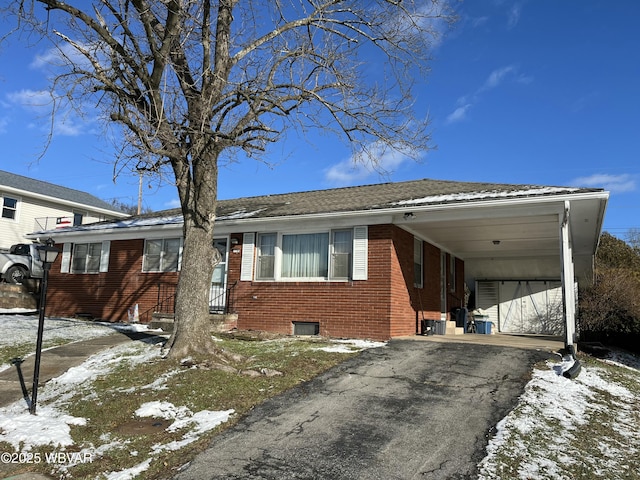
point(524, 306)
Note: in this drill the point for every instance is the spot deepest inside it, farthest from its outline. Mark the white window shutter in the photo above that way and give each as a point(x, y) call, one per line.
point(248, 247)
point(360, 253)
point(104, 255)
point(65, 263)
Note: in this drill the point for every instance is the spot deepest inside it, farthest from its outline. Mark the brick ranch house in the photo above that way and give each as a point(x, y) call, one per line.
point(369, 261)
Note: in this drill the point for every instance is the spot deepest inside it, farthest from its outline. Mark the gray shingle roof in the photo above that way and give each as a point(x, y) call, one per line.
point(343, 200)
point(372, 197)
point(379, 196)
point(54, 191)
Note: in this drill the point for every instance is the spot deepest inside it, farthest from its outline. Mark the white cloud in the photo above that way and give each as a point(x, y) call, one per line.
point(173, 203)
point(430, 17)
point(514, 15)
point(497, 76)
point(378, 159)
point(458, 114)
point(479, 21)
point(44, 105)
point(62, 55)
point(613, 183)
point(494, 80)
point(31, 98)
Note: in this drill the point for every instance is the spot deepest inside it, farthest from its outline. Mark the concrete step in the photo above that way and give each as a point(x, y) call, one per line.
point(220, 322)
point(451, 329)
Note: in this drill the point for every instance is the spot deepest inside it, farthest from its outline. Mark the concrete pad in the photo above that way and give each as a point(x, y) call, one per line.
point(545, 343)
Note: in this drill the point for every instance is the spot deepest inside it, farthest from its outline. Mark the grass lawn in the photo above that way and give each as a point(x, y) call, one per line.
point(114, 439)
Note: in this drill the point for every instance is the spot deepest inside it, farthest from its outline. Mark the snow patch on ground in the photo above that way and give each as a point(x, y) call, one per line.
point(551, 410)
point(351, 346)
point(50, 427)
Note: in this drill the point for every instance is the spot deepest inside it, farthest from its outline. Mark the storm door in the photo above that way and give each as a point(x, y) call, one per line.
point(218, 294)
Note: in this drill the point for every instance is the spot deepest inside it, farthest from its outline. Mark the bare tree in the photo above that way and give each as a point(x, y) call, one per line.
point(193, 83)
point(633, 239)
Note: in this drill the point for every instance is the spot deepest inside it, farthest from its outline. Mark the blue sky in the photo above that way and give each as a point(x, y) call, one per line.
point(543, 92)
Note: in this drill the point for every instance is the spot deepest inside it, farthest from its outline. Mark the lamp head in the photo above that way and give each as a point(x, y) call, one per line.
point(47, 252)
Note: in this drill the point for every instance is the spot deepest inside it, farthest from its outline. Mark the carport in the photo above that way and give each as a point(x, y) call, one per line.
point(542, 235)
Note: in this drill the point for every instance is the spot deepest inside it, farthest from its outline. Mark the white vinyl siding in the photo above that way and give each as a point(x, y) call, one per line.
point(35, 215)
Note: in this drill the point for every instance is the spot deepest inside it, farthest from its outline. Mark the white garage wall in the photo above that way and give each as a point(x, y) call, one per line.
point(525, 306)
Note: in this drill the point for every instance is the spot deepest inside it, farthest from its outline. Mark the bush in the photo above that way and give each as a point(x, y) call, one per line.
point(609, 310)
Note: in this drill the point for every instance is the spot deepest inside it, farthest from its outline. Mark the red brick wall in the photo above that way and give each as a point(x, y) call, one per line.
point(343, 309)
point(108, 295)
point(385, 305)
point(409, 303)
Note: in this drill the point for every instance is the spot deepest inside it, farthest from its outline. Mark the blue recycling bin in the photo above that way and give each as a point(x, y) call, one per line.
point(483, 325)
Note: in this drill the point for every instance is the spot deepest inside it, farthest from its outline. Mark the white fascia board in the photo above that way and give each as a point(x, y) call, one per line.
point(303, 222)
point(118, 233)
point(526, 206)
point(60, 201)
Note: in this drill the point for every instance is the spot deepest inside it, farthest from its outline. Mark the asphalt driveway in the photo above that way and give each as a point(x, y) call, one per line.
point(410, 410)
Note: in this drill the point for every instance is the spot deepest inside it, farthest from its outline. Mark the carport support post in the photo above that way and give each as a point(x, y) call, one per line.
point(568, 278)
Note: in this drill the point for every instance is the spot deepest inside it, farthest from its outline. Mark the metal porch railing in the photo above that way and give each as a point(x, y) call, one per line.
point(166, 302)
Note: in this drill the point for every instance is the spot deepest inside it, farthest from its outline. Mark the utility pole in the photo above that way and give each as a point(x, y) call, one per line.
point(140, 192)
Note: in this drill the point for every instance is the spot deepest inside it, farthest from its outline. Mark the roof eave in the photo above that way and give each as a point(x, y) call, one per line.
point(61, 201)
point(373, 215)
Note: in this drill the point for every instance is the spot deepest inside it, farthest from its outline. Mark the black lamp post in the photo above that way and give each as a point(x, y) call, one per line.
point(48, 254)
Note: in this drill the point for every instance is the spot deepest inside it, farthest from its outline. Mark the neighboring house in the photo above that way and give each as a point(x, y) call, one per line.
point(32, 205)
point(370, 261)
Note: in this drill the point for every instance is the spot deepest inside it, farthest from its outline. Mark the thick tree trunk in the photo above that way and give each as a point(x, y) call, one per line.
point(192, 328)
point(198, 195)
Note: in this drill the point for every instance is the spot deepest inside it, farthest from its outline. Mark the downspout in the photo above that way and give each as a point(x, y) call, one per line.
point(568, 294)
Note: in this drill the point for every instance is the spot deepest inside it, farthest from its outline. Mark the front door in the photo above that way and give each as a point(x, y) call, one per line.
point(218, 294)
